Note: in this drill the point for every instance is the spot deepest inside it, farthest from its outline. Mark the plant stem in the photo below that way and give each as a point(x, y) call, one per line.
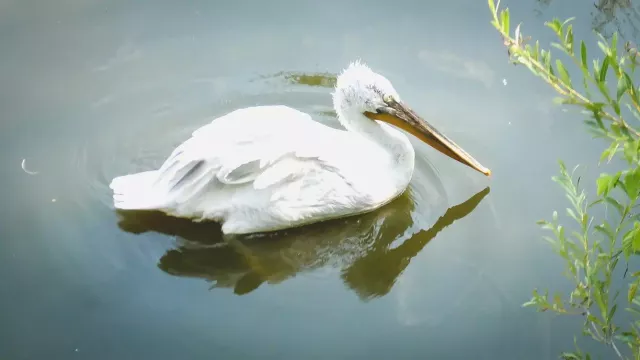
point(615, 348)
point(553, 80)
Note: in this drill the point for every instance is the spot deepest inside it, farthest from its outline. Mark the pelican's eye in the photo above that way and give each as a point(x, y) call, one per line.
point(388, 99)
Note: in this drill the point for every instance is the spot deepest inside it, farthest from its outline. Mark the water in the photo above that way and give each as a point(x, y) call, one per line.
point(91, 90)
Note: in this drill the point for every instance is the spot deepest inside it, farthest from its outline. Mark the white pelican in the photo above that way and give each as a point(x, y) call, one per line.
point(268, 168)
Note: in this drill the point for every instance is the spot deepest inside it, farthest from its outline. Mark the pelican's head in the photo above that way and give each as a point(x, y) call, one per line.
point(360, 91)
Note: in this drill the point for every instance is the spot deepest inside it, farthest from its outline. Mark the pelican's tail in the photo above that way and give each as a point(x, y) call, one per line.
point(136, 192)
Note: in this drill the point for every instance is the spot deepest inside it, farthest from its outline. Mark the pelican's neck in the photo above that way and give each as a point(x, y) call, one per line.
point(391, 140)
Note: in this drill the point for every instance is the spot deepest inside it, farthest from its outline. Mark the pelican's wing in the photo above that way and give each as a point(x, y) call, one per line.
point(264, 145)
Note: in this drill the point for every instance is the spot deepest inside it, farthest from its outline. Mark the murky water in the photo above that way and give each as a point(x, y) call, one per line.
point(91, 90)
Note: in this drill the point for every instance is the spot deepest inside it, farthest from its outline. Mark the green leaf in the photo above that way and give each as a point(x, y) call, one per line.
point(633, 111)
point(635, 245)
point(631, 149)
point(570, 356)
point(632, 183)
point(600, 296)
point(555, 26)
point(596, 202)
point(630, 87)
point(560, 47)
point(616, 107)
point(564, 75)
point(628, 338)
point(623, 86)
point(613, 202)
point(583, 54)
point(572, 214)
point(633, 289)
point(568, 39)
point(611, 313)
point(492, 6)
point(546, 59)
point(605, 183)
point(505, 20)
point(610, 152)
point(585, 82)
point(559, 100)
point(600, 73)
point(603, 70)
point(631, 240)
point(595, 128)
point(605, 228)
point(595, 107)
point(615, 129)
point(604, 47)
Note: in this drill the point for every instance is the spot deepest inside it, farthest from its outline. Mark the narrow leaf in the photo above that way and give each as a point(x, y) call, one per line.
point(596, 202)
point(583, 54)
point(606, 230)
point(568, 39)
point(554, 25)
point(633, 289)
point(603, 69)
point(600, 299)
point(628, 241)
point(610, 152)
point(568, 20)
point(612, 312)
point(605, 49)
point(505, 21)
point(635, 245)
point(623, 86)
point(564, 75)
point(630, 87)
point(492, 6)
point(613, 202)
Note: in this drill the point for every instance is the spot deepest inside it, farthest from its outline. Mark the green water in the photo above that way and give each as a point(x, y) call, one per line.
point(90, 90)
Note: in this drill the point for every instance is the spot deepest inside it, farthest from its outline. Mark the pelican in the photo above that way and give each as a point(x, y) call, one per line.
point(268, 168)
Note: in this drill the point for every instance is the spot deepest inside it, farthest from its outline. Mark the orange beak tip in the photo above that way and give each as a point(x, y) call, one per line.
point(486, 172)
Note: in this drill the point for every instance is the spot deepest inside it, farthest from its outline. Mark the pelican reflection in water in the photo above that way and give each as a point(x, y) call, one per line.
point(360, 247)
point(268, 168)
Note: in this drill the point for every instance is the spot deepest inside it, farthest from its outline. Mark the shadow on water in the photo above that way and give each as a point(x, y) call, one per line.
point(360, 246)
point(326, 80)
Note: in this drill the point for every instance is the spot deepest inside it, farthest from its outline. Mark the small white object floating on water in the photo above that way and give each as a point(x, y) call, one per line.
point(24, 168)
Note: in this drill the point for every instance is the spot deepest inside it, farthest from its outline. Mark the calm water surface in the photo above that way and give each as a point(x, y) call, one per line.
point(90, 90)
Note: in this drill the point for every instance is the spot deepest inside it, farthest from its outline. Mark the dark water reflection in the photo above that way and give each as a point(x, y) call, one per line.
point(360, 247)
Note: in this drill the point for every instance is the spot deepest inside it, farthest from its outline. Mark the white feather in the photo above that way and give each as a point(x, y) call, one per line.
point(272, 167)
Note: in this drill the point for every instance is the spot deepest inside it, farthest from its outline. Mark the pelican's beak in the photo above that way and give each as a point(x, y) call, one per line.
point(400, 115)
